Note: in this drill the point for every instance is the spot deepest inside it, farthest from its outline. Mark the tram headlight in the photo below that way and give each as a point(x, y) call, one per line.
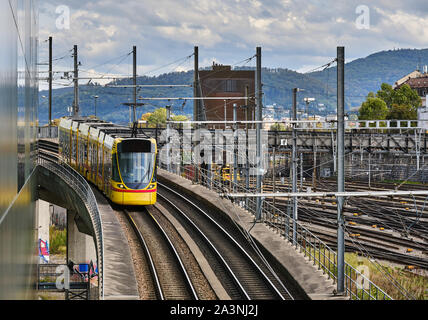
point(121, 186)
point(152, 186)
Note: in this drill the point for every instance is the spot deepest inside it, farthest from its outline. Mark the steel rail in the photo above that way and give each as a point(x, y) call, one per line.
point(177, 257)
point(232, 274)
point(188, 282)
point(266, 278)
point(158, 289)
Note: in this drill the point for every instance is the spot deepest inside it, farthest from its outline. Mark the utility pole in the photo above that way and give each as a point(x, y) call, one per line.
point(258, 130)
point(225, 112)
point(294, 163)
point(95, 104)
point(247, 161)
point(168, 156)
point(314, 172)
point(274, 178)
point(134, 107)
point(50, 82)
point(235, 147)
point(196, 111)
point(76, 83)
point(340, 169)
point(301, 172)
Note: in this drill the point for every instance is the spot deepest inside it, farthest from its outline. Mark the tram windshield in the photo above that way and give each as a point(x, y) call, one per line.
point(136, 168)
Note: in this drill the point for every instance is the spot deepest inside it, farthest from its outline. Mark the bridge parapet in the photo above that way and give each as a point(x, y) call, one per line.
point(84, 191)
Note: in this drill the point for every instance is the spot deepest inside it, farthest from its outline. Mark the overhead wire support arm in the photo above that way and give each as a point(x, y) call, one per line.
point(147, 85)
point(194, 98)
point(387, 193)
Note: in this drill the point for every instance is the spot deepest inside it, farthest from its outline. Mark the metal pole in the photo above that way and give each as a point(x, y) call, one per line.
point(95, 104)
point(247, 161)
point(50, 82)
point(134, 77)
point(274, 177)
point(314, 173)
point(225, 112)
point(340, 168)
point(370, 173)
point(301, 171)
point(235, 147)
point(196, 111)
point(294, 164)
point(258, 131)
point(76, 83)
point(168, 118)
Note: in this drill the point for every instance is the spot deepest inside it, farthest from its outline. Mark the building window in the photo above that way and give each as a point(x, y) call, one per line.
point(230, 86)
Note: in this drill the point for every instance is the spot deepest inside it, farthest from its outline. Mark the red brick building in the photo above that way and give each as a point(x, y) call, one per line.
point(222, 81)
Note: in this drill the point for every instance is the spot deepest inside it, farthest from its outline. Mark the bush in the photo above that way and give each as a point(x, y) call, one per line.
point(58, 240)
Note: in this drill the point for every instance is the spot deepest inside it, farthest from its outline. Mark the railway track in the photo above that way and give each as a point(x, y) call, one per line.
point(169, 275)
point(47, 150)
point(398, 213)
point(386, 228)
point(240, 269)
point(373, 249)
point(47, 145)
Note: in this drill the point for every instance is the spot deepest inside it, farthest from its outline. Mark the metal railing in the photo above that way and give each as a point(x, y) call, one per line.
point(84, 191)
point(357, 285)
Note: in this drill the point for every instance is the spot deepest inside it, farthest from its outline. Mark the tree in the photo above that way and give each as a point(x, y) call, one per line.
point(179, 118)
point(146, 116)
point(373, 109)
point(386, 93)
point(401, 96)
point(277, 127)
point(402, 112)
point(158, 117)
point(388, 103)
point(406, 96)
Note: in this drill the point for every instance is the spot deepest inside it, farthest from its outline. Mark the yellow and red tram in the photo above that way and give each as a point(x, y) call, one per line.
point(120, 164)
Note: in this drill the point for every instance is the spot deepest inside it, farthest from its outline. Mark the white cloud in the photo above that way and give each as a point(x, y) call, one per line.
point(293, 33)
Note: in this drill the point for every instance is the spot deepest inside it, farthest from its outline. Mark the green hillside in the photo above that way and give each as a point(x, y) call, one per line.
point(361, 75)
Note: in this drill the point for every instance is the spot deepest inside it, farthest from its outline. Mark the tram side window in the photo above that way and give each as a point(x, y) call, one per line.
point(107, 169)
point(85, 152)
point(67, 144)
point(64, 143)
point(94, 159)
point(100, 161)
point(79, 152)
point(81, 147)
point(60, 140)
point(74, 147)
point(115, 170)
point(82, 153)
point(89, 158)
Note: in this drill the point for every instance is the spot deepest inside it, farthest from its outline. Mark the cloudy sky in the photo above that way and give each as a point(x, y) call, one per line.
point(294, 34)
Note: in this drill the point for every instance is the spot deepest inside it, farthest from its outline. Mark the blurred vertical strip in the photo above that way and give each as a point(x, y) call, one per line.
point(18, 116)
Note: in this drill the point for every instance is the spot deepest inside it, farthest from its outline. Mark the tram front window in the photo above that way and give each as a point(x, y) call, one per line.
point(136, 169)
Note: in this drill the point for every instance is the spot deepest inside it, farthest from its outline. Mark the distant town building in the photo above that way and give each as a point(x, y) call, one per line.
point(418, 81)
point(222, 81)
point(268, 123)
point(411, 75)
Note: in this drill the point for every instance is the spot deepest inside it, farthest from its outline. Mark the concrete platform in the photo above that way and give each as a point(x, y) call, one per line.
point(119, 276)
point(311, 281)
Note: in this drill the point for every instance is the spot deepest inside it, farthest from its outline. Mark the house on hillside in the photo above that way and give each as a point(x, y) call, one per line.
point(418, 81)
point(411, 75)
